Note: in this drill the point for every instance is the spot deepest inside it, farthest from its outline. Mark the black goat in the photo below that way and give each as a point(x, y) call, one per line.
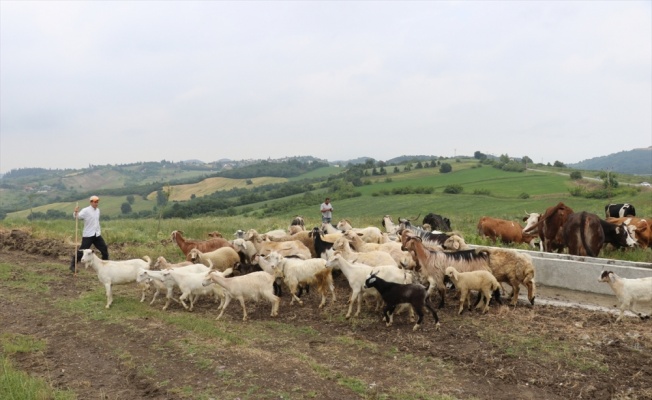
point(394, 294)
point(320, 244)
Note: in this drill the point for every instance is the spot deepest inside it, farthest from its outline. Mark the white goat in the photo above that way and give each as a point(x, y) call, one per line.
point(629, 292)
point(373, 258)
point(295, 272)
point(192, 287)
point(168, 284)
point(357, 273)
point(252, 286)
point(111, 272)
point(482, 281)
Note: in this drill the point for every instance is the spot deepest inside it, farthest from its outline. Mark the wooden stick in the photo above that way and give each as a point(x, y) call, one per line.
point(76, 229)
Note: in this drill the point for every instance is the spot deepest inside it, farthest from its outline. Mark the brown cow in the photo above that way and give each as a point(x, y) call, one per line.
point(506, 231)
point(549, 226)
point(583, 234)
point(643, 231)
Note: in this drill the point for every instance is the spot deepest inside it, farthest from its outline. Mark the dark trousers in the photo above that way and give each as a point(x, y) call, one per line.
point(86, 243)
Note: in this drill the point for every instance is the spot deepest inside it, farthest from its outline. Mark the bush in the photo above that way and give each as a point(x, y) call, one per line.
point(453, 189)
point(445, 168)
point(484, 192)
point(575, 175)
point(523, 196)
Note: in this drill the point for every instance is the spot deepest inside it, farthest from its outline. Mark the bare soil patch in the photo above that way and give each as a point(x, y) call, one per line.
point(539, 352)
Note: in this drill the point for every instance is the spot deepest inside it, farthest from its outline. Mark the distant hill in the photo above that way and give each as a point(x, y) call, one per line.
point(635, 162)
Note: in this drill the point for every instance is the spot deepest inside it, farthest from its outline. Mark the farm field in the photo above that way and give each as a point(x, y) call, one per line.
point(54, 327)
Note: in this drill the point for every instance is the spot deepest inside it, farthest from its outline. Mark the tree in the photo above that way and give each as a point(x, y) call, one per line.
point(130, 199)
point(419, 165)
point(504, 158)
point(445, 168)
point(559, 164)
point(479, 156)
point(125, 208)
point(161, 197)
point(396, 169)
point(526, 160)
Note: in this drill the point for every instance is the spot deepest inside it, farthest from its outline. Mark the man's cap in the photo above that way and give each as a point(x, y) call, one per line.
point(95, 198)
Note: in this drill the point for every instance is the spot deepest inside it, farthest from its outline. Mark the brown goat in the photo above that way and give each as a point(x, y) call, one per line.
point(201, 245)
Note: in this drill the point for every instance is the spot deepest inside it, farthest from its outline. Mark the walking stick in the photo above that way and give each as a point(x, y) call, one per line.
point(76, 245)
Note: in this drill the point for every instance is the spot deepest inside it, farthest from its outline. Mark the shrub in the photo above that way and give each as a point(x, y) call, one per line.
point(445, 168)
point(523, 196)
point(453, 189)
point(575, 175)
point(484, 192)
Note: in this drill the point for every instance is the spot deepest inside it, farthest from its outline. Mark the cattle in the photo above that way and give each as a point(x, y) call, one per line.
point(549, 225)
point(619, 210)
point(506, 231)
point(585, 234)
point(437, 222)
point(642, 229)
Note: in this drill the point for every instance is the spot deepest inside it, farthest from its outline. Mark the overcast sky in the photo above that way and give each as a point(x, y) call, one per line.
point(102, 82)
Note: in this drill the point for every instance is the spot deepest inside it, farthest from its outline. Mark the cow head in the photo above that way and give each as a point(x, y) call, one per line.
point(531, 220)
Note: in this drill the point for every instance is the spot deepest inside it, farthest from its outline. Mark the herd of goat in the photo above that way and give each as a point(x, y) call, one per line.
point(403, 265)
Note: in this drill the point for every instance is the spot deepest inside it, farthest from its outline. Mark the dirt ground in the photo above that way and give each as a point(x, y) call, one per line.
point(539, 352)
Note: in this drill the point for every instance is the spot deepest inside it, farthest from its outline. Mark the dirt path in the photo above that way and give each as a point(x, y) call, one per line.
point(135, 351)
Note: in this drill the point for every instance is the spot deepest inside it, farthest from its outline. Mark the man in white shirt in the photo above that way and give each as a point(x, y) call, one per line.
point(92, 234)
point(326, 211)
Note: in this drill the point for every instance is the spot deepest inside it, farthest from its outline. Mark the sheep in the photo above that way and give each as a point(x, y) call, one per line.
point(286, 248)
point(251, 286)
point(482, 281)
point(629, 292)
point(191, 285)
point(357, 273)
point(372, 258)
point(512, 267)
point(159, 279)
point(203, 245)
point(295, 271)
point(390, 227)
point(111, 272)
point(222, 258)
point(394, 294)
point(431, 263)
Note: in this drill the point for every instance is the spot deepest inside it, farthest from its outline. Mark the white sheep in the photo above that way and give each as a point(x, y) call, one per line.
point(629, 292)
point(370, 234)
point(221, 259)
point(357, 273)
point(252, 286)
point(296, 272)
point(482, 281)
point(111, 272)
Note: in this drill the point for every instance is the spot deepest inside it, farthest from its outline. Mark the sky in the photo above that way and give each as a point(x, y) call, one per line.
point(118, 82)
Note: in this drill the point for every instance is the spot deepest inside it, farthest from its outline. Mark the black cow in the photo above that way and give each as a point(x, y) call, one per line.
point(619, 210)
point(437, 222)
point(617, 235)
